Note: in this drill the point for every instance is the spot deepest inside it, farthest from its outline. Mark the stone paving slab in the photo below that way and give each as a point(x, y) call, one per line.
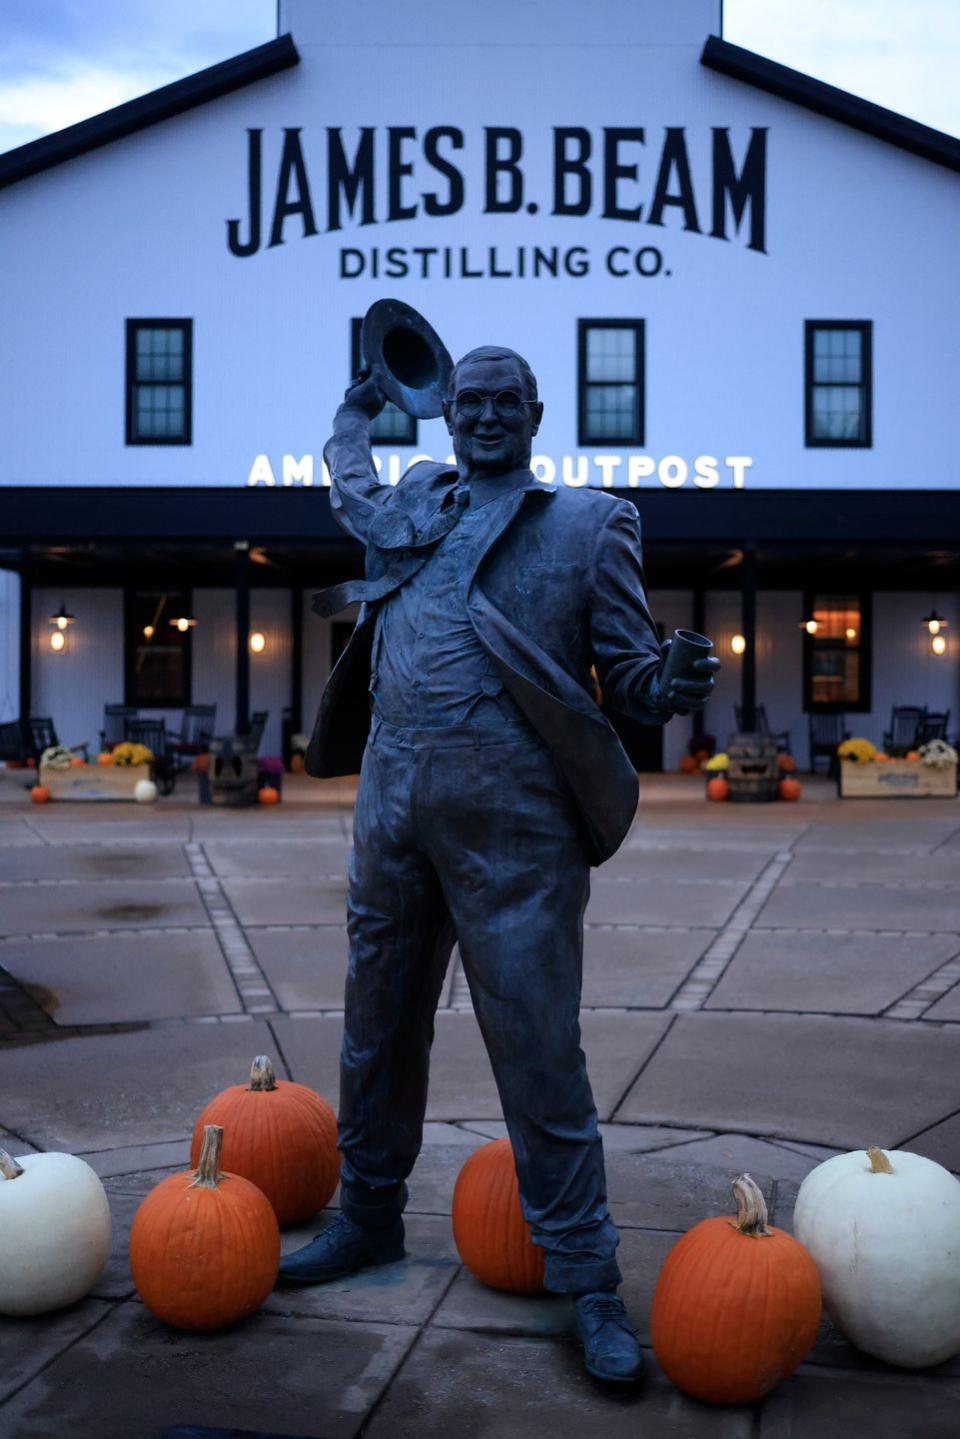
point(829, 973)
point(634, 1138)
point(814, 866)
point(100, 1091)
point(664, 1191)
point(814, 1405)
point(946, 1008)
point(675, 863)
point(941, 1142)
point(138, 1158)
point(846, 1082)
point(470, 1304)
point(91, 862)
point(66, 823)
point(16, 832)
point(108, 904)
point(307, 968)
point(27, 1345)
point(487, 1386)
point(819, 906)
point(287, 901)
point(117, 978)
point(402, 1293)
point(626, 966)
point(307, 855)
point(741, 1153)
point(461, 1081)
point(867, 827)
point(116, 1281)
point(663, 902)
point(132, 1376)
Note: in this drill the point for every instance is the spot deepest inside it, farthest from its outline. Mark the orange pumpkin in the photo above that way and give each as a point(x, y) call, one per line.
point(786, 763)
point(39, 794)
point(105, 757)
point(14, 764)
point(790, 789)
point(701, 755)
point(912, 754)
point(732, 1339)
point(76, 762)
point(201, 765)
point(296, 763)
point(489, 1230)
point(688, 764)
point(279, 1135)
point(268, 795)
point(718, 789)
point(31, 763)
point(881, 757)
point(205, 1245)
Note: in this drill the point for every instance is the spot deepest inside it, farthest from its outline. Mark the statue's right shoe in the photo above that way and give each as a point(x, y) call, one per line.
point(340, 1249)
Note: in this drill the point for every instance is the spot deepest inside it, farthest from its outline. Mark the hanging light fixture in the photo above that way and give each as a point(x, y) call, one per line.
point(61, 619)
point(183, 623)
point(935, 623)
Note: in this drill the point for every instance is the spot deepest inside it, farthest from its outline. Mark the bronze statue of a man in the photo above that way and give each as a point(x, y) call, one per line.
point(490, 783)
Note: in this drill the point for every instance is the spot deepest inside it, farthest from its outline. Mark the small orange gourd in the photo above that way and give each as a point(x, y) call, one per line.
point(268, 795)
point(790, 789)
point(205, 1245)
point(912, 754)
point(490, 1232)
point(104, 757)
point(39, 794)
point(786, 763)
point(718, 789)
point(279, 1135)
point(736, 1305)
point(688, 764)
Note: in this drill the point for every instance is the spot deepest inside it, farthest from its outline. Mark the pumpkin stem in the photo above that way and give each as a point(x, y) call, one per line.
point(262, 1074)
point(751, 1207)
point(208, 1170)
point(9, 1167)
point(879, 1163)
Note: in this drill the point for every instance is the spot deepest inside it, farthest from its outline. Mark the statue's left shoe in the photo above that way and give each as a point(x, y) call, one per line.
point(610, 1347)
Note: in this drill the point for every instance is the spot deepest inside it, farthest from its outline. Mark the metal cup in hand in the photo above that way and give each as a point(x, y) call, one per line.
point(687, 647)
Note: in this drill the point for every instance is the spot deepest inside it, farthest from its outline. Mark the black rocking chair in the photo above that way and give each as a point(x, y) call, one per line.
point(153, 734)
point(905, 727)
point(826, 732)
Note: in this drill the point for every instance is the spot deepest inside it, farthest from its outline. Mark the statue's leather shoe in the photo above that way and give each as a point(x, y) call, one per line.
point(610, 1347)
point(340, 1249)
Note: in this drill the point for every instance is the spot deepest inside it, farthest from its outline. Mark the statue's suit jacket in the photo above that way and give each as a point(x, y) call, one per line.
point(557, 588)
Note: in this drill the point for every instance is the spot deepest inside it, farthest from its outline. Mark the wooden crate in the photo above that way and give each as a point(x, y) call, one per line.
point(94, 781)
point(897, 779)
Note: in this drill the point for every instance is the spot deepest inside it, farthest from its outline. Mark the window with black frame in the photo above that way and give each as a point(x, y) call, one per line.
point(610, 367)
point(836, 654)
point(157, 652)
point(159, 399)
point(392, 423)
point(838, 367)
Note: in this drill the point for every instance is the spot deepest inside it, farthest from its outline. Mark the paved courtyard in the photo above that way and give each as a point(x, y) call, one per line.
point(763, 986)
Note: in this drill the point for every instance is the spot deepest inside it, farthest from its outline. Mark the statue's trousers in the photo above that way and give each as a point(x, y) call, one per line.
point(468, 834)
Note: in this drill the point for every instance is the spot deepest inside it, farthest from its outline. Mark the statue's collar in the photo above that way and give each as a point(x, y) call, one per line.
point(495, 487)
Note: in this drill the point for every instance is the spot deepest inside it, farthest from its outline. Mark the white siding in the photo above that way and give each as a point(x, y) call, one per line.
point(74, 685)
point(214, 658)
point(905, 670)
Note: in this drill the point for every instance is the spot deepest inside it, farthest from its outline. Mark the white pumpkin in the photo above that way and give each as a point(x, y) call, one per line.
point(54, 1231)
point(884, 1230)
point(144, 791)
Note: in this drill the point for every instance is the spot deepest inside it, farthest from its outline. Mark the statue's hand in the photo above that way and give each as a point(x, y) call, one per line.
point(687, 694)
point(366, 395)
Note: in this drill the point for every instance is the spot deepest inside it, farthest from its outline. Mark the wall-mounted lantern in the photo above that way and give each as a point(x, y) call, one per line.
point(935, 623)
point(183, 623)
point(258, 642)
point(738, 644)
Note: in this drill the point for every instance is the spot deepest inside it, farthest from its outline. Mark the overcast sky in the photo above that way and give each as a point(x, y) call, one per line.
point(62, 60)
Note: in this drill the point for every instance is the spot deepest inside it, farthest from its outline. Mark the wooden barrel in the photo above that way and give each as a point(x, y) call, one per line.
point(753, 773)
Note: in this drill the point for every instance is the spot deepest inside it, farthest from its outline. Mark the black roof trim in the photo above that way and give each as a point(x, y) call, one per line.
point(827, 100)
point(146, 110)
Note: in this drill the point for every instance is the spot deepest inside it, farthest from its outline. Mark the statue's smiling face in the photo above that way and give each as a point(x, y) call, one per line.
point(494, 439)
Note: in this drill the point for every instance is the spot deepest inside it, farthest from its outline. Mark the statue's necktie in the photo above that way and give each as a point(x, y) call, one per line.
point(330, 602)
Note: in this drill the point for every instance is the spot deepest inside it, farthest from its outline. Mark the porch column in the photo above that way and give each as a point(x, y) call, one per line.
point(698, 722)
point(748, 626)
point(241, 551)
point(26, 634)
point(296, 658)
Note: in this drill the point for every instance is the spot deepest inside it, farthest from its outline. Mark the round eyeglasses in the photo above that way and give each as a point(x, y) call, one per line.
point(507, 403)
